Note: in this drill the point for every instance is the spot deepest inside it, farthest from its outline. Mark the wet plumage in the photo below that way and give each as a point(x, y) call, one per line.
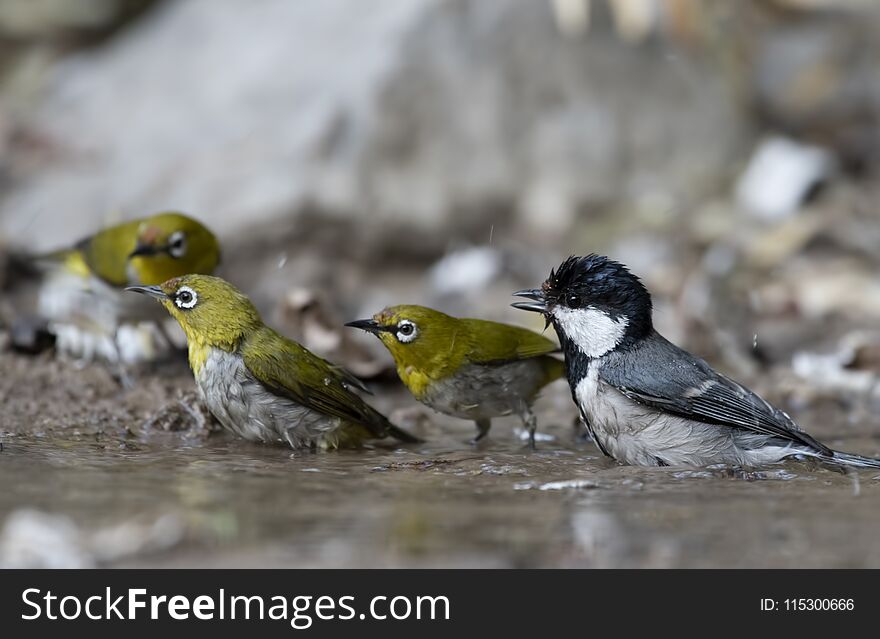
point(645, 400)
point(259, 384)
point(467, 368)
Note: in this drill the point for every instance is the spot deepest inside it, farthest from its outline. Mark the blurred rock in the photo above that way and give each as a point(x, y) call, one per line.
point(31, 335)
point(235, 146)
point(778, 244)
point(838, 288)
point(30, 19)
point(308, 320)
point(136, 537)
point(815, 76)
point(417, 109)
point(465, 270)
point(852, 369)
point(413, 419)
point(497, 107)
point(600, 543)
point(780, 175)
point(572, 16)
point(35, 539)
point(303, 315)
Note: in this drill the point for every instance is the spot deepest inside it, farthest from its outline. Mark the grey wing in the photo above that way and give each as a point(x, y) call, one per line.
point(679, 383)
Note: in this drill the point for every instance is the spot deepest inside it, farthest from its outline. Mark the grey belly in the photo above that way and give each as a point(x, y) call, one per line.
point(92, 319)
point(483, 392)
point(244, 406)
point(640, 435)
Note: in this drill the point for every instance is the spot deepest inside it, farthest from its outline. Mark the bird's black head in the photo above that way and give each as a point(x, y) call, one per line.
point(599, 282)
point(594, 303)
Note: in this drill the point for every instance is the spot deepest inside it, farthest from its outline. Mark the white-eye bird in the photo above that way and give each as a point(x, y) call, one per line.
point(468, 368)
point(82, 293)
point(260, 385)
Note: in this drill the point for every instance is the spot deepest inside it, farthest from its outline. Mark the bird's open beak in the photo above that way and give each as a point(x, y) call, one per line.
point(152, 291)
point(145, 249)
point(539, 305)
point(369, 325)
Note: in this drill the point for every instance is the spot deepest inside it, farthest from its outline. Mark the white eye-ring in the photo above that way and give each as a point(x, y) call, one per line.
point(406, 331)
point(177, 244)
point(185, 297)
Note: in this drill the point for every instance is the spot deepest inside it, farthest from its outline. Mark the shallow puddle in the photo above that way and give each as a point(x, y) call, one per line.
point(111, 493)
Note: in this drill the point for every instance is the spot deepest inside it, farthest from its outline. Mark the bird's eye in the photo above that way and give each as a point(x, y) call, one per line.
point(406, 331)
point(185, 297)
point(177, 244)
point(573, 301)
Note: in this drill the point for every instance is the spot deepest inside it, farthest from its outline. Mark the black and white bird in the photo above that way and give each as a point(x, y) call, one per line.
point(645, 400)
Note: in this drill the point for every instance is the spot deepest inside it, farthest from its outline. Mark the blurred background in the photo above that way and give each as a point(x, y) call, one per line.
point(447, 152)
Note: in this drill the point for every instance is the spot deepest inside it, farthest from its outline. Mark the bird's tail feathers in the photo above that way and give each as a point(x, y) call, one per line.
point(70, 259)
point(402, 435)
point(848, 460)
point(380, 426)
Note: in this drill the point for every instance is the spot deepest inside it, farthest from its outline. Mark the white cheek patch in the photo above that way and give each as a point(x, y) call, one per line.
point(591, 330)
point(185, 302)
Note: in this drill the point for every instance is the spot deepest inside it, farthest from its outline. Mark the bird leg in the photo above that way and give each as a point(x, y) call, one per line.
point(483, 426)
point(531, 425)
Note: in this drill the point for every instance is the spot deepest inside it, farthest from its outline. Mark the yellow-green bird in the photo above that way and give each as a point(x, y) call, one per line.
point(259, 384)
point(468, 368)
point(82, 294)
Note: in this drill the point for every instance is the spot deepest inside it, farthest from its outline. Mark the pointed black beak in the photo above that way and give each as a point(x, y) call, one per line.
point(145, 249)
point(536, 294)
point(369, 325)
point(152, 291)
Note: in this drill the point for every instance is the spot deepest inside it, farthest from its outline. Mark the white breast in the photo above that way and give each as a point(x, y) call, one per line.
point(637, 434)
